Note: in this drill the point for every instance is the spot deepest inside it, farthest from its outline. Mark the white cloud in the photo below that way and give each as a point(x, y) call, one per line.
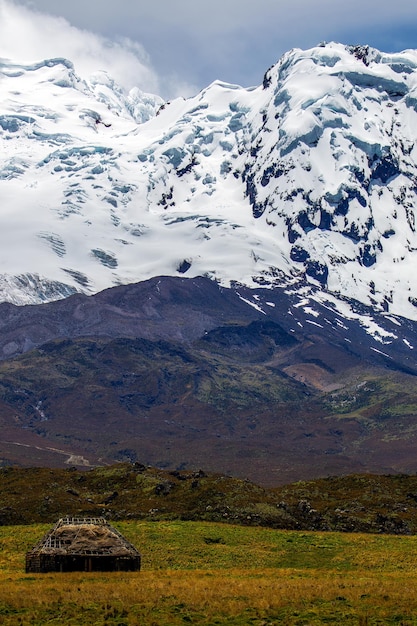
point(192, 42)
point(27, 36)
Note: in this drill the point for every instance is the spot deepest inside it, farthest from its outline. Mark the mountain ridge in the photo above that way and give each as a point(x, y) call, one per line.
point(176, 370)
point(185, 309)
point(307, 180)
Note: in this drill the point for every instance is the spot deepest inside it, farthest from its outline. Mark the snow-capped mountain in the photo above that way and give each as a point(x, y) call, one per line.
point(308, 181)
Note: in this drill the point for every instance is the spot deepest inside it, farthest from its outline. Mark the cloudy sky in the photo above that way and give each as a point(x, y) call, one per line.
point(177, 47)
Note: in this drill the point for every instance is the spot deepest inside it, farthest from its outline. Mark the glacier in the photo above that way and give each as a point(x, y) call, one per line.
point(306, 182)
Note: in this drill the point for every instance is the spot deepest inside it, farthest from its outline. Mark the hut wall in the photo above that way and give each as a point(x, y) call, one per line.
point(43, 563)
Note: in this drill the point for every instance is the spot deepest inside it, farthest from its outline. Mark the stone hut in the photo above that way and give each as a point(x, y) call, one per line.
point(77, 544)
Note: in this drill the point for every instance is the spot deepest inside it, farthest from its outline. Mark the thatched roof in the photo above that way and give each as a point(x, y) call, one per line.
point(84, 536)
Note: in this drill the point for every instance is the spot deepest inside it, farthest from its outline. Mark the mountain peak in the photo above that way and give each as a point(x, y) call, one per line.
point(307, 181)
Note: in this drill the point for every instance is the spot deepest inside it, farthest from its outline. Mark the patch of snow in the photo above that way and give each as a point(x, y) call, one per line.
point(252, 304)
point(311, 311)
point(380, 352)
point(314, 323)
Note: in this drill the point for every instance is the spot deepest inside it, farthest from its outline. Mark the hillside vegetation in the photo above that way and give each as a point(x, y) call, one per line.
point(366, 503)
point(249, 400)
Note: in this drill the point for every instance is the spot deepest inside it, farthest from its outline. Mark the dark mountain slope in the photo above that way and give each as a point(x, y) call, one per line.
point(174, 372)
point(184, 310)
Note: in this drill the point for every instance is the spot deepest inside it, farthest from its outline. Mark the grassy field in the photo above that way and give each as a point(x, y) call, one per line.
point(208, 573)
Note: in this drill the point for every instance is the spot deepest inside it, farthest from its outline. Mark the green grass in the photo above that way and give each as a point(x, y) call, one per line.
point(209, 573)
point(375, 399)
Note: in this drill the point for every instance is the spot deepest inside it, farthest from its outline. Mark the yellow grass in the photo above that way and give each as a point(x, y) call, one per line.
point(218, 574)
